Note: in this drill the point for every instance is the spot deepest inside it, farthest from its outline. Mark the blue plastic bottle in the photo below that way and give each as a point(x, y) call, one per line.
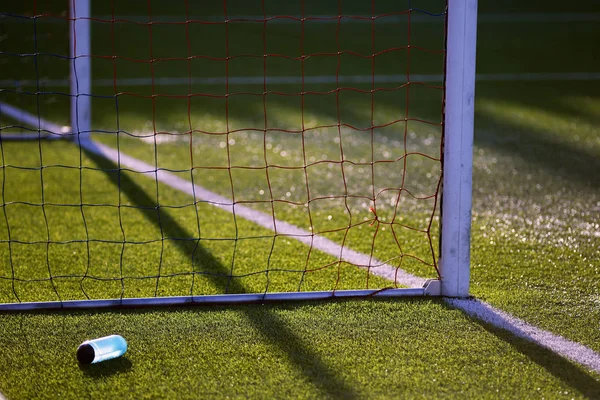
point(102, 349)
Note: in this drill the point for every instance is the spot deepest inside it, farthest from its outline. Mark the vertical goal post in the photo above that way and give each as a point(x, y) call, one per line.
point(456, 185)
point(458, 148)
point(80, 73)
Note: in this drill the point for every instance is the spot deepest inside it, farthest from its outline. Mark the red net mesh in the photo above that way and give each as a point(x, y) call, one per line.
point(327, 118)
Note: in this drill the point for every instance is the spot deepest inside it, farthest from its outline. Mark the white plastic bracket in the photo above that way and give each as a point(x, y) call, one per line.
point(432, 287)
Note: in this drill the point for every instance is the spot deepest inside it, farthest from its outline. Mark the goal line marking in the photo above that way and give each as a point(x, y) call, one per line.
point(569, 349)
point(311, 79)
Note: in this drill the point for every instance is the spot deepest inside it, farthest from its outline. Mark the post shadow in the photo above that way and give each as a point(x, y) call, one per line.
point(266, 322)
point(560, 367)
point(204, 262)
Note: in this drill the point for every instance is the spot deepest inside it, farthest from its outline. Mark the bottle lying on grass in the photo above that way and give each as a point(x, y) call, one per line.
point(101, 349)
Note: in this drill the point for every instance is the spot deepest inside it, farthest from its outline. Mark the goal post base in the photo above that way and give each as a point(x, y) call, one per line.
point(430, 288)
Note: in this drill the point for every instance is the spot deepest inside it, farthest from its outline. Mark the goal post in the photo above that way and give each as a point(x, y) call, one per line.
point(80, 68)
point(458, 148)
point(337, 248)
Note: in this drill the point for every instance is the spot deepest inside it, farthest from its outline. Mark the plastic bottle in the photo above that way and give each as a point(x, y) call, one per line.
point(102, 349)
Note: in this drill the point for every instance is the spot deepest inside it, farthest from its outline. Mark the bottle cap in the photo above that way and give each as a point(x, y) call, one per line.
point(85, 354)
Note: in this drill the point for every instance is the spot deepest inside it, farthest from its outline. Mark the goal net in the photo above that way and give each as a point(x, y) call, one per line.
point(187, 152)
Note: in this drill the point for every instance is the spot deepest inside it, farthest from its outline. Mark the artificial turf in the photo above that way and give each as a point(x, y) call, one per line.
point(118, 244)
point(535, 230)
point(347, 349)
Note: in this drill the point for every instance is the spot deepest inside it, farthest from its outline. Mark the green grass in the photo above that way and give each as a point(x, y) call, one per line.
point(535, 217)
point(117, 243)
point(355, 349)
point(536, 238)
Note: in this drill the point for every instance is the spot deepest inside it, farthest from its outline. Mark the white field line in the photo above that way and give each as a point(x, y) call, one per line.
point(416, 17)
point(477, 309)
point(47, 130)
point(262, 219)
point(314, 79)
point(201, 194)
point(558, 344)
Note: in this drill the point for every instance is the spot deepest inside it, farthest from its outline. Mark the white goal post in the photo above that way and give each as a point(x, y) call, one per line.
point(458, 148)
point(455, 204)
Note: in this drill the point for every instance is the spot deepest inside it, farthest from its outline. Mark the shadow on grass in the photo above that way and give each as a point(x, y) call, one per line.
point(539, 146)
point(271, 327)
point(203, 261)
point(278, 333)
point(106, 368)
point(563, 369)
